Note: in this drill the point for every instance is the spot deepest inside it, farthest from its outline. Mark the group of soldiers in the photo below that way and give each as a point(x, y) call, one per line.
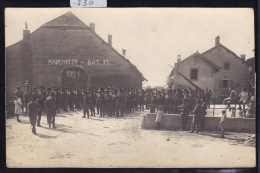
point(104, 101)
point(171, 99)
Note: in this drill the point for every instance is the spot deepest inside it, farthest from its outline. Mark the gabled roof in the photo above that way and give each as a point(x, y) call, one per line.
point(220, 45)
point(216, 67)
point(68, 19)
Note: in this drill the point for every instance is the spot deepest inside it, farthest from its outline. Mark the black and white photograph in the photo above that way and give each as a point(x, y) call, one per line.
point(130, 88)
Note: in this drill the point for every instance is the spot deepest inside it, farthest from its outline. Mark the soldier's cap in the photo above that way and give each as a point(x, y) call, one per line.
point(52, 94)
point(223, 111)
point(18, 87)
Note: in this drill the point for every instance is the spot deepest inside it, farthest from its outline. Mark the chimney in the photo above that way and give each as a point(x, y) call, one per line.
point(26, 32)
point(178, 58)
point(217, 41)
point(110, 40)
point(124, 52)
point(92, 26)
point(243, 57)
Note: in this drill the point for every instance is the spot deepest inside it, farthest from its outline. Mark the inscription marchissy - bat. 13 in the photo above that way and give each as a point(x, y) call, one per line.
point(89, 62)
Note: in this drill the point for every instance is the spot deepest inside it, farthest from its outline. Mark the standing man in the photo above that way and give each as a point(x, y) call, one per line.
point(185, 109)
point(86, 103)
point(33, 109)
point(231, 98)
point(119, 103)
point(196, 118)
point(243, 98)
point(40, 101)
point(51, 109)
point(203, 114)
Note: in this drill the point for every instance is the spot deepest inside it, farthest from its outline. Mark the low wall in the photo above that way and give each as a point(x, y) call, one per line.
point(173, 122)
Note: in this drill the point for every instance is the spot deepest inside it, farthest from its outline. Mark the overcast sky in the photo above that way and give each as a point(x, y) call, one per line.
point(152, 37)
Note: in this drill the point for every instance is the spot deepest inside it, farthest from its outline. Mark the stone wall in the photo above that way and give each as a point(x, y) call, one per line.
point(173, 122)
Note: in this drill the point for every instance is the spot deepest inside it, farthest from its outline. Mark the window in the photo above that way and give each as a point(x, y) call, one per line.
point(194, 74)
point(226, 66)
point(225, 84)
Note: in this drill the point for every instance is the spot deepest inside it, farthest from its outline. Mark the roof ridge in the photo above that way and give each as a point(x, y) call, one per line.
point(221, 45)
point(67, 19)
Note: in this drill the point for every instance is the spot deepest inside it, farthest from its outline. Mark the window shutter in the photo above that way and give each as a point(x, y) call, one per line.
point(220, 83)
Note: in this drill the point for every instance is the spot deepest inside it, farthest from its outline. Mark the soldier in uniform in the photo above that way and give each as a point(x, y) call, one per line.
point(128, 102)
point(57, 96)
point(70, 100)
point(40, 101)
point(141, 100)
point(113, 101)
point(168, 103)
point(86, 103)
point(177, 97)
point(119, 103)
point(98, 95)
point(134, 98)
point(196, 118)
point(30, 94)
point(93, 102)
point(147, 99)
point(77, 99)
point(51, 109)
point(34, 94)
point(33, 109)
point(153, 103)
point(63, 99)
point(131, 97)
point(185, 111)
point(107, 102)
point(25, 99)
point(203, 114)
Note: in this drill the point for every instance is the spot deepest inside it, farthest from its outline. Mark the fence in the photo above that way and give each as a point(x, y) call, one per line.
point(173, 106)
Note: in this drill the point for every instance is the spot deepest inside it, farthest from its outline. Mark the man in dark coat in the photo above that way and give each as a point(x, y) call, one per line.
point(33, 109)
point(196, 118)
point(86, 103)
point(51, 109)
point(185, 109)
point(40, 101)
point(119, 103)
point(203, 113)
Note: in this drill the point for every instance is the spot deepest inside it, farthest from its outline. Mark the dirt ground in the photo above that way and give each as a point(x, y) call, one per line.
point(119, 142)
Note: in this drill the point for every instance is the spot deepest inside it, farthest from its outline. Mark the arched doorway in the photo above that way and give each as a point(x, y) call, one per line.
point(74, 77)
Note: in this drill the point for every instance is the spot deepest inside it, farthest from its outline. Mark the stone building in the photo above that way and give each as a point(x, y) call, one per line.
point(217, 69)
point(65, 52)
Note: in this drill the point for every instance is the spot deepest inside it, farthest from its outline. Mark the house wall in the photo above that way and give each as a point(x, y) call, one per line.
point(237, 74)
point(205, 73)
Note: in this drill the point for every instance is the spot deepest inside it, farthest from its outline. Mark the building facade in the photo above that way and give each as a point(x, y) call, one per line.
point(65, 52)
point(217, 69)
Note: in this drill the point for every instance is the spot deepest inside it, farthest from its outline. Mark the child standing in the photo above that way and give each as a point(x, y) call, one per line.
point(158, 118)
point(223, 122)
point(18, 108)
